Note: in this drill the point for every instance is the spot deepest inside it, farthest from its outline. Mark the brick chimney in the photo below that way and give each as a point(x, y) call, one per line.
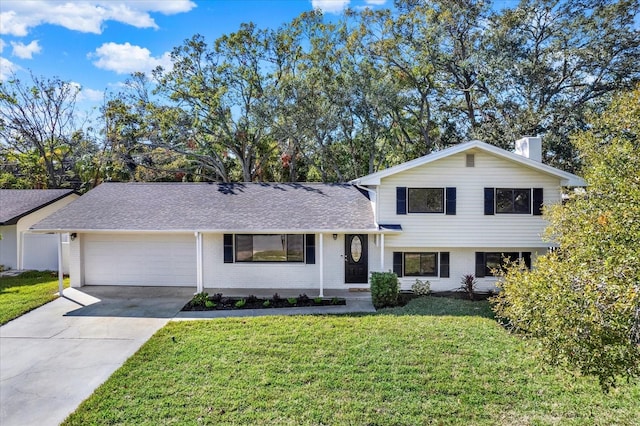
point(530, 147)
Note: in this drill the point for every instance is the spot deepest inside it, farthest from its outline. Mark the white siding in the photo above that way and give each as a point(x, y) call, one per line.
point(8, 247)
point(218, 274)
point(143, 260)
point(469, 227)
point(462, 261)
point(40, 251)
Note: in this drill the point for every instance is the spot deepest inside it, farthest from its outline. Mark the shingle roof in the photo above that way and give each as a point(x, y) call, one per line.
point(17, 203)
point(236, 207)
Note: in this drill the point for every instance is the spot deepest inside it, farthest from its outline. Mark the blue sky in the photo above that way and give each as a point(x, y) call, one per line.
point(97, 44)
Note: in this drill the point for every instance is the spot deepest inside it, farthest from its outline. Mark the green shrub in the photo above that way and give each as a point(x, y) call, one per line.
point(384, 289)
point(292, 300)
point(200, 299)
point(209, 304)
point(266, 303)
point(240, 303)
point(421, 288)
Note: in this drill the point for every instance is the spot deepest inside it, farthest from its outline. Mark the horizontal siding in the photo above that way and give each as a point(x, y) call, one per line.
point(469, 227)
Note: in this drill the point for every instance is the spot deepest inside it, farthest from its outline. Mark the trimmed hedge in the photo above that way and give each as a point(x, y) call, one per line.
point(384, 289)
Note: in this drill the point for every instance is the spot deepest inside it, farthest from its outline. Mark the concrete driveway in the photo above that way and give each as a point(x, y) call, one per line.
point(54, 357)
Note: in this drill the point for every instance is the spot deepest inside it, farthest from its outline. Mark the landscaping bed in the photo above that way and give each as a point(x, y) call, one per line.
point(216, 302)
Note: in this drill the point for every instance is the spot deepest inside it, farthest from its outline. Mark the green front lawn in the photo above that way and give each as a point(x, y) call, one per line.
point(27, 291)
point(406, 366)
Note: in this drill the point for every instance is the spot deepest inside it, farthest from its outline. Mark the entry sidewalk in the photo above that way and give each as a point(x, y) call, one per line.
point(54, 357)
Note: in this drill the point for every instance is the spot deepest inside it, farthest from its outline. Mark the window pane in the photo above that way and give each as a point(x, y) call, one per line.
point(426, 200)
point(510, 200)
point(496, 261)
point(244, 248)
point(522, 200)
point(269, 248)
point(428, 264)
point(421, 264)
point(295, 248)
point(412, 263)
point(504, 201)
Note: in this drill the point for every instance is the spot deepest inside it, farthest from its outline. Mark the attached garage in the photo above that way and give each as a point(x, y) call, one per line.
point(140, 259)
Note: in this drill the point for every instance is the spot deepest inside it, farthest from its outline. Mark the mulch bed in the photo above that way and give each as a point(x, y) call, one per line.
point(218, 302)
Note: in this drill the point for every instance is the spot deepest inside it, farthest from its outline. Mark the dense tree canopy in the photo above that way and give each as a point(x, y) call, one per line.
point(582, 301)
point(333, 98)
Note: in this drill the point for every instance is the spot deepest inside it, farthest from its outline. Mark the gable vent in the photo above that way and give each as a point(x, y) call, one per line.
point(471, 160)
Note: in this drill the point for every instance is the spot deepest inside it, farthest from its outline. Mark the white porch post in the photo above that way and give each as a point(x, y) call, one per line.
point(60, 272)
point(321, 263)
point(381, 252)
point(199, 275)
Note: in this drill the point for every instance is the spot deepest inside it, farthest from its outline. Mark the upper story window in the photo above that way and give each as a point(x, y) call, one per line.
point(425, 200)
point(269, 248)
point(510, 200)
point(513, 201)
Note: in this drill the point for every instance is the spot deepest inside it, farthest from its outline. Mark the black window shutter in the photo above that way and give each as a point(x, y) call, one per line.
point(451, 201)
point(401, 200)
point(538, 199)
point(526, 256)
point(228, 248)
point(397, 263)
point(488, 201)
point(480, 264)
point(444, 264)
point(310, 249)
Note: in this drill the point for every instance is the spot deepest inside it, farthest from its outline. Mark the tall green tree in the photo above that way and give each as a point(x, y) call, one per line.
point(39, 117)
point(581, 302)
point(549, 62)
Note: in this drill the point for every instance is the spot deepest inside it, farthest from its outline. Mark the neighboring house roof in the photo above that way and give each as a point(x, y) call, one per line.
point(567, 179)
point(239, 207)
point(17, 203)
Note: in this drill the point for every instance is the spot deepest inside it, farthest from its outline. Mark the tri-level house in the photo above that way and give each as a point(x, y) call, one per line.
point(454, 212)
point(463, 210)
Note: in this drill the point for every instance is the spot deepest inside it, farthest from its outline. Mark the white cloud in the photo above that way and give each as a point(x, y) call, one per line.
point(127, 58)
point(330, 6)
point(90, 95)
point(25, 51)
point(7, 68)
point(18, 17)
point(2, 45)
point(375, 2)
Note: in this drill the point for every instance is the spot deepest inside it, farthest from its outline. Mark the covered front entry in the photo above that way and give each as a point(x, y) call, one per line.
point(140, 260)
point(356, 268)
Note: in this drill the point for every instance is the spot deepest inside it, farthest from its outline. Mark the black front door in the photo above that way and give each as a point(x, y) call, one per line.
point(356, 268)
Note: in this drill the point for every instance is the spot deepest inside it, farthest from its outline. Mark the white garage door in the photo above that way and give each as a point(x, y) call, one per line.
point(145, 260)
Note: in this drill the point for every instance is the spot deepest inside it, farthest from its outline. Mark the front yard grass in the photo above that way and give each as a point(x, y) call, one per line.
point(406, 366)
point(27, 291)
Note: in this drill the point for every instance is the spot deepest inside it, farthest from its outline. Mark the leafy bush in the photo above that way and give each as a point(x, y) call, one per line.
point(210, 304)
point(292, 300)
point(303, 298)
point(240, 303)
point(200, 299)
point(384, 289)
point(317, 300)
point(421, 288)
point(217, 298)
point(468, 285)
point(266, 303)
